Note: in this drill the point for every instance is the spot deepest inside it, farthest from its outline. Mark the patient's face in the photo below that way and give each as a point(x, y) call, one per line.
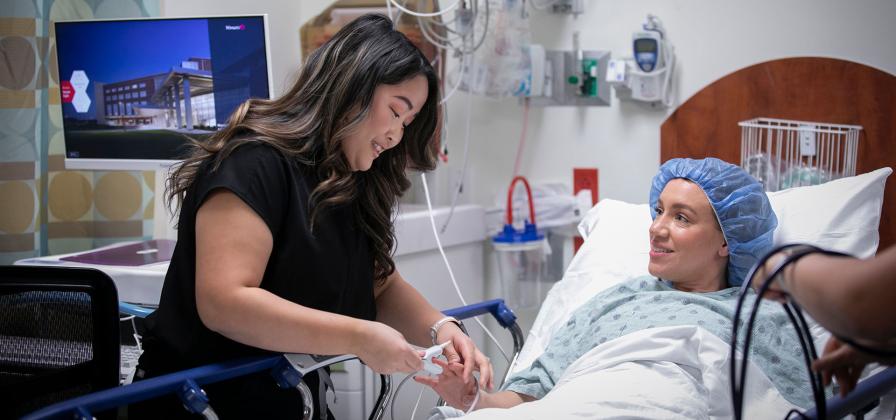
point(686, 244)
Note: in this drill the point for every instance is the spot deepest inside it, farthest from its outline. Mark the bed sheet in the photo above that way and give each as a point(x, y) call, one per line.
point(669, 372)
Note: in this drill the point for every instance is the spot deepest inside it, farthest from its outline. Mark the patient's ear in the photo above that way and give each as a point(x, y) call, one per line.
point(723, 251)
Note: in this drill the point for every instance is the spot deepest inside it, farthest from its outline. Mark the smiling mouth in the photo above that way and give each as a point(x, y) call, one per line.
point(661, 250)
point(377, 148)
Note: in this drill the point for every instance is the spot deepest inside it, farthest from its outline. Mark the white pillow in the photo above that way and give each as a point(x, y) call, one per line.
point(841, 215)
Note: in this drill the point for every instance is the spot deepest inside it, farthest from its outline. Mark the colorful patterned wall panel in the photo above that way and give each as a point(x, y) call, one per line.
point(45, 209)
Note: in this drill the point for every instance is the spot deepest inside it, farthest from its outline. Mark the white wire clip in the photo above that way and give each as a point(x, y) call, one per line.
point(430, 354)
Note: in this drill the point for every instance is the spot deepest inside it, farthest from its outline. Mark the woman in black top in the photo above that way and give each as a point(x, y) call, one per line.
point(285, 232)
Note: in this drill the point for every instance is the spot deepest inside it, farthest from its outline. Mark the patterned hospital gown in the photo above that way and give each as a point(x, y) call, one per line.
point(646, 302)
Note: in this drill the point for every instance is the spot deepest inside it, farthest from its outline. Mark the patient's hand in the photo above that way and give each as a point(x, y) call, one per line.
point(450, 385)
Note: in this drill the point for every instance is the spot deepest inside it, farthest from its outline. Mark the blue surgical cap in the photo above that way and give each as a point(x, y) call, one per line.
point(741, 206)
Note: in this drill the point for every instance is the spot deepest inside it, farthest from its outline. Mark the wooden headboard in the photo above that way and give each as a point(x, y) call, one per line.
point(808, 89)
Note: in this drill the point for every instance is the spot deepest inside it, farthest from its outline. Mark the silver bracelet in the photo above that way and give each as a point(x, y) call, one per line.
point(434, 329)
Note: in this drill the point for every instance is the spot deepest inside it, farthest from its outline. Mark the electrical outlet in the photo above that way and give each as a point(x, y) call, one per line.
point(584, 179)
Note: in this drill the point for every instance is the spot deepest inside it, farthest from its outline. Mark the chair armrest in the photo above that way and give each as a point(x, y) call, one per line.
point(131, 309)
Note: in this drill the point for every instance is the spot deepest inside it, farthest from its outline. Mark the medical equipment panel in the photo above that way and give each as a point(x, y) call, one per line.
point(647, 75)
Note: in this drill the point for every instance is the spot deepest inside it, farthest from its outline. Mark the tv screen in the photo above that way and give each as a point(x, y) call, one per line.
point(133, 91)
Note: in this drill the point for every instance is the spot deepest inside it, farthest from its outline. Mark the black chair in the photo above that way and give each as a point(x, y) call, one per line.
point(59, 336)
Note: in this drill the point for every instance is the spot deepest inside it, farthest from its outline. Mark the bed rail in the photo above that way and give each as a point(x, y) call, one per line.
point(866, 394)
point(287, 370)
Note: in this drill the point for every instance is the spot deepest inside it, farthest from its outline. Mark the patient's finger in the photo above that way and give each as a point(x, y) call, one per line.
point(441, 363)
point(426, 380)
point(485, 371)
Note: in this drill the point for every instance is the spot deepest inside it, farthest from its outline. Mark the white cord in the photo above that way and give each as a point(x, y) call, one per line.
point(413, 13)
point(395, 394)
point(437, 44)
point(425, 31)
point(466, 160)
point(417, 404)
point(435, 233)
point(667, 83)
point(460, 78)
point(137, 337)
point(475, 399)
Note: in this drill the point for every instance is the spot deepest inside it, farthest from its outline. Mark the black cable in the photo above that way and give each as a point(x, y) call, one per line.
point(878, 352)
point(797, 320)
point(809, 354)
point(736, 395)
point(738, 383)
point(797, 412)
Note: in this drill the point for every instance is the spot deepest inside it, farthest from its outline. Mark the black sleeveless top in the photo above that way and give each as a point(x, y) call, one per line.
point(329, 270)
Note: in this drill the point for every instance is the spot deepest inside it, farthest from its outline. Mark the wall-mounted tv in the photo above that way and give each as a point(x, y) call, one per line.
point(133, 91)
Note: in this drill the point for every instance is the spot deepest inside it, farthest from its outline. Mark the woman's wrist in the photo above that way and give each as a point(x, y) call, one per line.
point(357, 333)
point(440, 326)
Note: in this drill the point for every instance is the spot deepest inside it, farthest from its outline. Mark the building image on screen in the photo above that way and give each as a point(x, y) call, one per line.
point(134, 92)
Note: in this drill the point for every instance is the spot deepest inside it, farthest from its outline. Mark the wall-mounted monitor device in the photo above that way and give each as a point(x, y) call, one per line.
point(133, 91)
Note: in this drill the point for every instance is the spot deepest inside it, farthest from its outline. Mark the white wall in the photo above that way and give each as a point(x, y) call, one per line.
point(284, 20)
point(712, 38)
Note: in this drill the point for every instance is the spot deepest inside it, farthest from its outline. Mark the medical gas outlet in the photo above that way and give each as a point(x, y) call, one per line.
point(568, 77)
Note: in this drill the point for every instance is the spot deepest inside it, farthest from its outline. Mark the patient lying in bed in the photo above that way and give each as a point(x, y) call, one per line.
point(645, 303)
point(657, 346)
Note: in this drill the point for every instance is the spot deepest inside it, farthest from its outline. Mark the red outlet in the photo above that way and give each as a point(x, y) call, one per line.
point(584, 179)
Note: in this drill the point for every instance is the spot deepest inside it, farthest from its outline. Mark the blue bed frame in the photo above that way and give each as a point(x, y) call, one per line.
point(286, 369)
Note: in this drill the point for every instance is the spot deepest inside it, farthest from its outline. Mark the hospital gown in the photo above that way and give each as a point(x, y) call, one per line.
point(646, 302)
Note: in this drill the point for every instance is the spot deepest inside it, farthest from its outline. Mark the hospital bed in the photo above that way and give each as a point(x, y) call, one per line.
point(287, 370)
point(616, 248)
point(855, 215)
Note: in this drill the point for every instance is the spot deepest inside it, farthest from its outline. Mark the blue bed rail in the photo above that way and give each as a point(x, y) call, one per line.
point(187, 383)
point(866, 393)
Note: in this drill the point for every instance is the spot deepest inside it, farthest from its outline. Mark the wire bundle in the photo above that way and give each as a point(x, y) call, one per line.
point(794, 253)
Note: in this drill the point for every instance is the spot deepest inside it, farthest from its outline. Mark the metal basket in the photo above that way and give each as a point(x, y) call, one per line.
point(783, 154)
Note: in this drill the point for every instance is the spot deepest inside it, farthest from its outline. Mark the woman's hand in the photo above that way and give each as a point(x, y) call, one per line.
point(451, 385)
point(385, 350)
point(843, 363)
point(776, 291)
point(463, 351)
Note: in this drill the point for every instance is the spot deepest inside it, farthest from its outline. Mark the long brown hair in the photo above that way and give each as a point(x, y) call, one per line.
point(331, 97)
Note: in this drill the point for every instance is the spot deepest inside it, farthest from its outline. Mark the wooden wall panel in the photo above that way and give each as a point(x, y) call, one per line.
point(807, 88)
